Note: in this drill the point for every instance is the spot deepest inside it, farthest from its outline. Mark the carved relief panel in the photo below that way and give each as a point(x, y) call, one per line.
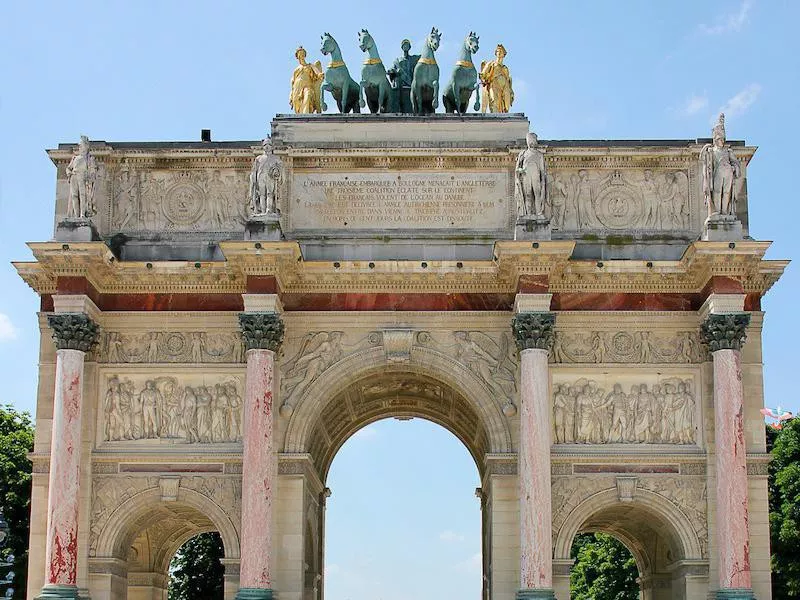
point(170, 347)
point(625, 408)
point(649, 347)
point(164, 409)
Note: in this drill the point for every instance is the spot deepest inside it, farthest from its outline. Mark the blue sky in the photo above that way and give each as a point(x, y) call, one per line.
point(163, 70)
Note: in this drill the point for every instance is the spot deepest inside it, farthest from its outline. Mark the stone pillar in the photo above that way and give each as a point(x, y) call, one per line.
point(74, 334)
point(724, 334)
point(533, 332)
point(262, 333)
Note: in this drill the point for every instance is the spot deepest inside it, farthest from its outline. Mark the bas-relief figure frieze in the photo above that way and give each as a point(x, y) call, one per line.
point(661, 413)
point(627, 347)
point(193, 409)
point(171, 347)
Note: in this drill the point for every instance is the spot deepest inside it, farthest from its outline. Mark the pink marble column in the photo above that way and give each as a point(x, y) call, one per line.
point(74, 334)
point(262, 333)
point(534, 335)
point(725, 334)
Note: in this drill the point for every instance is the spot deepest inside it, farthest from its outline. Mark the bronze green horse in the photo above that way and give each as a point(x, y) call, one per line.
point(425, 85)
point(375, 89)
point(337, 79)
point(464, 80)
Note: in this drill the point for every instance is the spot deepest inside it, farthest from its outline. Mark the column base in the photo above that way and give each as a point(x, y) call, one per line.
point(536, 594)
point(51, 592)
point(253, 594)
point(736, 594)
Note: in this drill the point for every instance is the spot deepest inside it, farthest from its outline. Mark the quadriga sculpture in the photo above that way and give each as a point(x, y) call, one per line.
point(375, 87)
point(338, 82)
point(425, 85)
point(464, 80)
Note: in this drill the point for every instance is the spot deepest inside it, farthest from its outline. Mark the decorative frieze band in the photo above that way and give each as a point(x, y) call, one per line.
point(73, 331)
point(726, 331)
point(261, 330)
point(534, 330)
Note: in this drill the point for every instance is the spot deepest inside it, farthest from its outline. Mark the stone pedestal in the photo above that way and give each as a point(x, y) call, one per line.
point(722, 228)
point(533, 228)
point(74, 335)
point(76, 230)
point(725, 334)
point(534, 336)
point(262, 334)
point(264, 227)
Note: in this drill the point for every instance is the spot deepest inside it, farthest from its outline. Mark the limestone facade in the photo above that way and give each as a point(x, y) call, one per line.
point(396, 279)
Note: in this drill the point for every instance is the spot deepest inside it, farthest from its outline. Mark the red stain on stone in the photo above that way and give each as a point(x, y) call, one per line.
point(64, 559)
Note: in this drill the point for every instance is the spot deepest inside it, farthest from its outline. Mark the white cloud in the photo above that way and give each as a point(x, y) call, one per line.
point(729, 23)
point(738, 104)
point(451, 536)
point(7, 330)
point(474, 564)
point(695, 104)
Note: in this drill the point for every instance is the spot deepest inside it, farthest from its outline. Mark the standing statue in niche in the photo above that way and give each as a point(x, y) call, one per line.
point(400, 76)
point(265, 179)
point(498, 95)
point(304, 97)
point(531, 175)
point(81, 176)
point(719, 171)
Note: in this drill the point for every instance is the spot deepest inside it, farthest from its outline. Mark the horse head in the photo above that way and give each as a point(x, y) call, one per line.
point(471, 42)
point(433, 39)
point(365, 40)
point(328, 43)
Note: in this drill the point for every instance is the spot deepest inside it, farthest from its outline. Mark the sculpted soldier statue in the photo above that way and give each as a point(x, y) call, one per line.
point(81, 176)
point(720, 169)
point(400, 77)
point(498, 95)
point(265, 178)
point(531, 175)
point(305, 96)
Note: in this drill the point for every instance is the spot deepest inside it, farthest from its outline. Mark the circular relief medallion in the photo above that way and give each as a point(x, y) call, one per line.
point(183, 204)
point(618, 207)
point(623, 344)
point(175, 344)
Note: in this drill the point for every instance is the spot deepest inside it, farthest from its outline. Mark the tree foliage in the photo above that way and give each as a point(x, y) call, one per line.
point(784, 509)
point(16, 441)
point(604, 569)
point(196, 570)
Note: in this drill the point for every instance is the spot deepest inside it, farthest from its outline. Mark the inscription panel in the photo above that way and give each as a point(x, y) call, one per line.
point(480, 201)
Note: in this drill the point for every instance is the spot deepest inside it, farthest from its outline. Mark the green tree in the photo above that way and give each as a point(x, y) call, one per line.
point(196, 570)
point(784, 509)
point(604, 569)
point(16, 441)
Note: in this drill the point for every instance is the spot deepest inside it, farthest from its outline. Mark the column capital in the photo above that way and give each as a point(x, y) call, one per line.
point(725, 331)
point(261, 330)
point(73, 331)
point(534, 330)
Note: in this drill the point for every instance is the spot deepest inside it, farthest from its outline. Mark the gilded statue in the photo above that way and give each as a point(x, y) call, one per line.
point(305, 96)
point(81, 176)
point(498, 95)
point(720, 169)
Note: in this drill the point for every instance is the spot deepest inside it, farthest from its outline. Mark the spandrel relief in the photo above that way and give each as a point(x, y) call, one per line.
point(171, 347)
point(625, 410)
point(627, 347)
point(641, 200)
point(188, 200)
point(194, 409)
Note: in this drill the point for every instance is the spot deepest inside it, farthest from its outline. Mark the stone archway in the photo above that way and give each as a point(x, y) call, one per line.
point(138, 541)
point(661, 538)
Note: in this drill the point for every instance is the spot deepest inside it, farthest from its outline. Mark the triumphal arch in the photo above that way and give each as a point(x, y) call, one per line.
point(218, 318)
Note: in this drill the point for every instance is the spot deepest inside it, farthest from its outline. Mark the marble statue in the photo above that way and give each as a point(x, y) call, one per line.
point(265, 178)
point(338, 82)
point(498, 95)
point(304, 97)
point(375, 89)
point(719, 169)
point(81, 176)
point(531, 179)
point(425, 83)
point(464, 80)
point(400, 76)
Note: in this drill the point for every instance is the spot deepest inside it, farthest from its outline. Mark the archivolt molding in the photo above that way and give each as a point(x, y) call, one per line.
point(373, 361)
